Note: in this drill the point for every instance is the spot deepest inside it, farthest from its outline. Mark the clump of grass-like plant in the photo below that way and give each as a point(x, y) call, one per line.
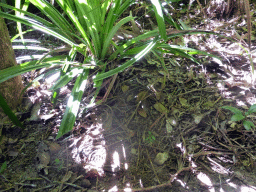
point(89, 27)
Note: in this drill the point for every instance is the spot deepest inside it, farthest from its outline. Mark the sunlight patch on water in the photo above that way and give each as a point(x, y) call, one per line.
point(182, 183)
point(217, 167)
point(206, 180)
point(128, 188)
point(141, 184)
point(116, 161)
point(248, 189)
point(113, 189)
point(89, 149)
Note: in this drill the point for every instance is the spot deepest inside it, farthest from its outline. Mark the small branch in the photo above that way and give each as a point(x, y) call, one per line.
point(164, 184)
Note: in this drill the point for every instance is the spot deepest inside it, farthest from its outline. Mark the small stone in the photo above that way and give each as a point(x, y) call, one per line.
point(161, 158)
point(51, 138)
point(85, 183)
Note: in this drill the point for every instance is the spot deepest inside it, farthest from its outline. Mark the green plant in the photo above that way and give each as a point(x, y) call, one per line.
point(150, 138)
point(9, 112)
point(89, 27)
point(59, 163)
point(240, 116)
point(3, 167)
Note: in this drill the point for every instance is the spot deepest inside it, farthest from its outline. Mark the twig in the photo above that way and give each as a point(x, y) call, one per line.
point(210, 147)
point(157, 120)
point(153, 167)
point(81, 176)
point(203, 153)
point(201, 8)
point(45, 178)
point(42, 189)
point(164, 184)
point(70, 184)
point(109, 88)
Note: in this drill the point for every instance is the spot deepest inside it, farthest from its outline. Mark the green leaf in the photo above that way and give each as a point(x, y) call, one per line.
point(14, 71)
point(128, 63)
point(135, 50)
point(30, 47)
point(33, 23)
point(7, 110)
point(135, 40)
point(181, 53)
point(188, 32)
point(72, 108)
point(142, 112)
point(232, 109)
point(248, 125)
point(160, 19)
point(184, 102)
point(66, 78)
point(37, 18)
point(112, 33)
point(54, 15)
point(252, 109)
point(160, 108)
point(184, 26)
point(191, 51)
point(237, 117)
point(88, 15)
point(3, 167)
point(18, 35)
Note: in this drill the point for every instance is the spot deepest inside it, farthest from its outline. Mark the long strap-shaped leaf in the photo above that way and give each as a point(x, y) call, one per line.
point(191, 51)
point(66, 78)
point(112, 33)
point(53, 14)
point(37, 18)
point(69, 10)
point(69, 117)
point(89, 14)
point(24, 7)
point(36, 25)
point(16, 70)
point(9, 112)
point(160, 18)
point(128, 63)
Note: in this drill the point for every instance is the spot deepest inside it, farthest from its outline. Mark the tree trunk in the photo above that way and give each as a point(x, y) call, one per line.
point(11, 88)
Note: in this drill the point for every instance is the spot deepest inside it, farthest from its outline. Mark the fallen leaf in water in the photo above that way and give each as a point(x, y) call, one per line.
point(125, 88)
point(183, 101)
point(160, 108)
point(142, 112)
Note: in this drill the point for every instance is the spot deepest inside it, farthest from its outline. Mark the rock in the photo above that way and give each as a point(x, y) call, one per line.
point(85, 183)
